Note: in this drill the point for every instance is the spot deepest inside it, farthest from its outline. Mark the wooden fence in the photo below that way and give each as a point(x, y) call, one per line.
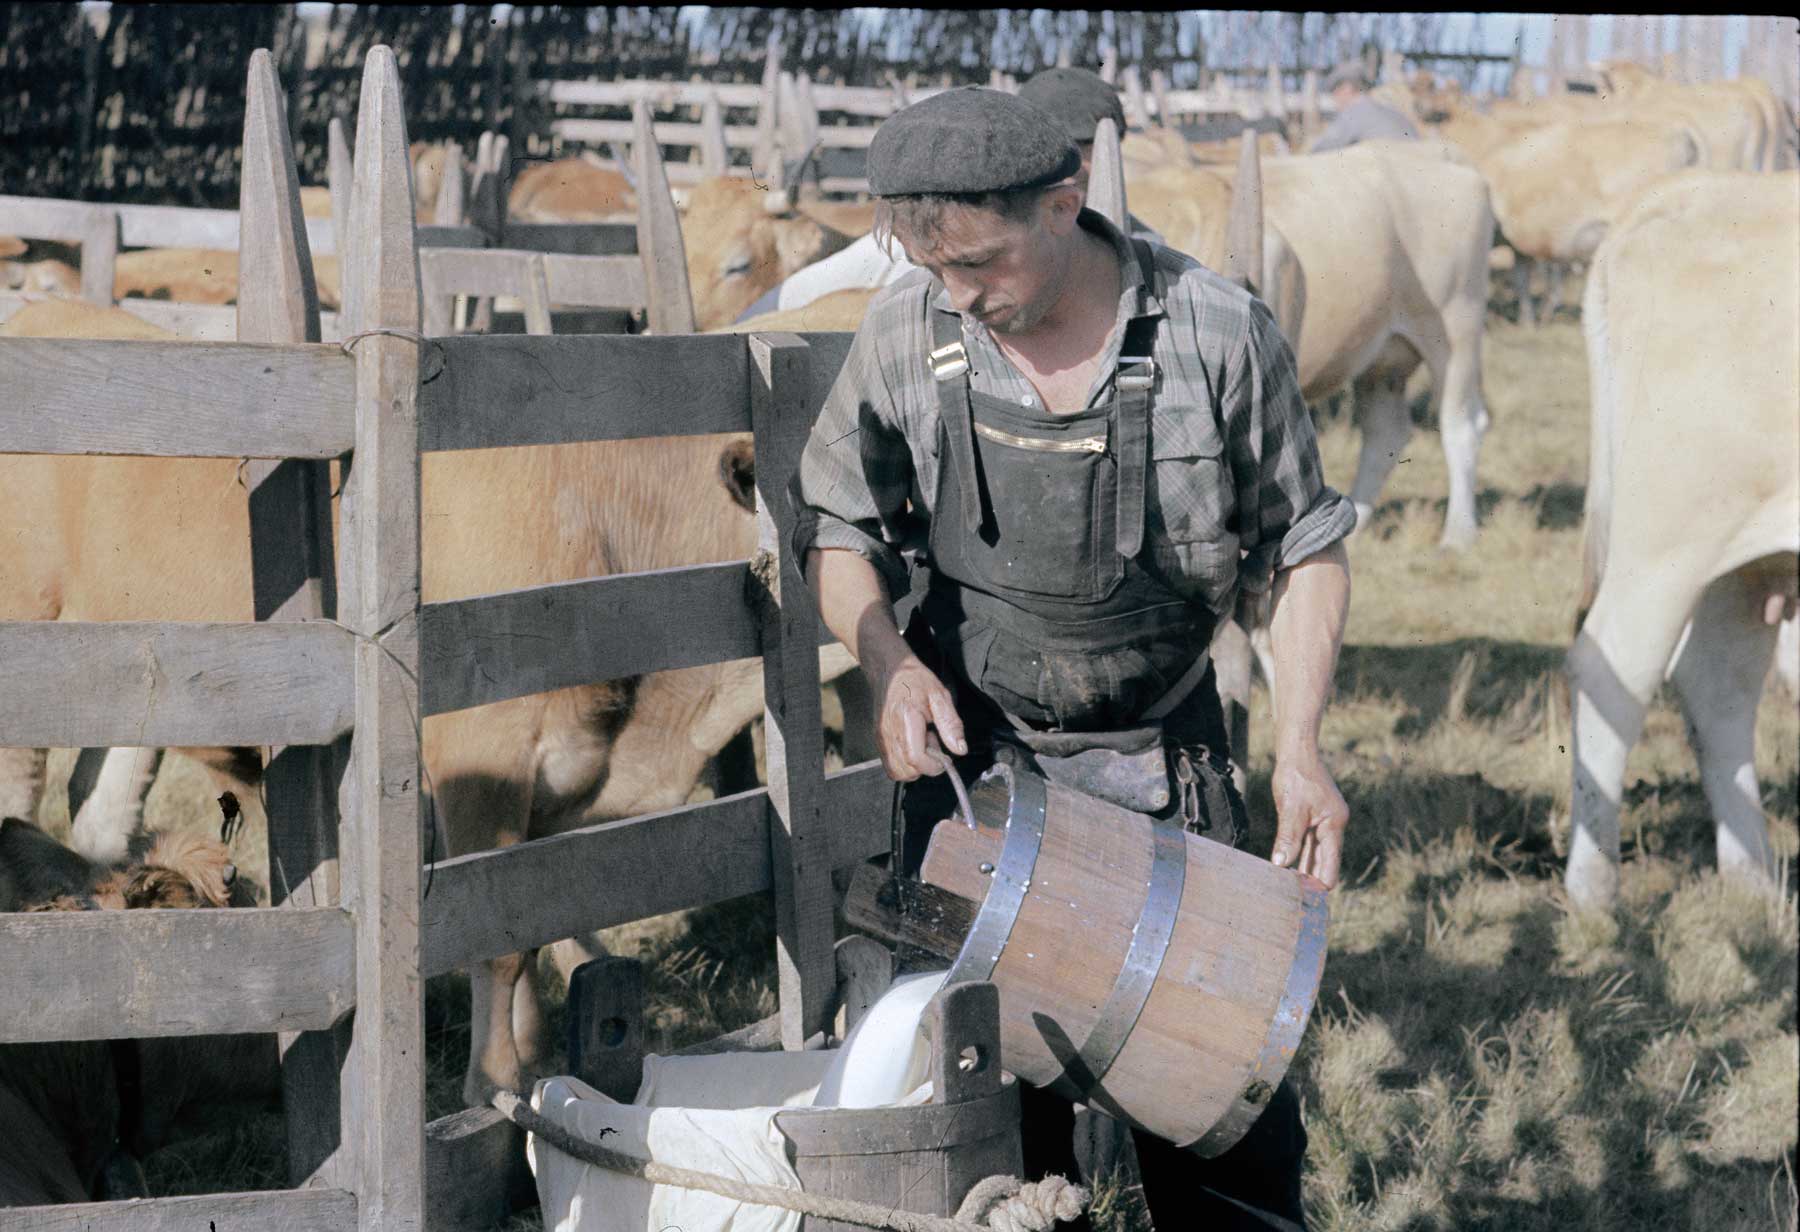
point(337, 696)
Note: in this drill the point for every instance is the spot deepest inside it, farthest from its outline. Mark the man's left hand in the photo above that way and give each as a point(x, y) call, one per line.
point(1310, 818)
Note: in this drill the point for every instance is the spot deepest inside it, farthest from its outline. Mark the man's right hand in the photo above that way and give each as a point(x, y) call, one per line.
point(909, 700)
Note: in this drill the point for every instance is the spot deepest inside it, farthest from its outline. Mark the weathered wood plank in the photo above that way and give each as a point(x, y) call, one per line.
point(578, 281)
point(497, 391)
point(1106, 182)
point(293, 578)
point(452, 192)
point(434, 236)
point(118, 975)
point(659, 94)
point(660, 245)
point(99, 257)
point(303, 1210)
point(580, 239)
point(793, 731)
point(495, 647)
point(175, 399)
point(144, 683)
point(737, 136)
point(902, 911)
point(499, 902)
point(475, 1171)
point(383, 1086)
point(139, 226)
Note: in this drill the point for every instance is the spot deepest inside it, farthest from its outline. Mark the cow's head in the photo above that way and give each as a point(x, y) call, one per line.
point(743, 236)
point(40, 277)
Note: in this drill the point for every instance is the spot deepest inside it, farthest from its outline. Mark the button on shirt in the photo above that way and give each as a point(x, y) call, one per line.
point(1235, 491)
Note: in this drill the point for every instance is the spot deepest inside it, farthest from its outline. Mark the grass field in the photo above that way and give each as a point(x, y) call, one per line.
point(1479, 1057)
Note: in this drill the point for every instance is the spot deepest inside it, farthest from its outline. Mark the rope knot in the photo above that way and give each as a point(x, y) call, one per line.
point(1006, 1204)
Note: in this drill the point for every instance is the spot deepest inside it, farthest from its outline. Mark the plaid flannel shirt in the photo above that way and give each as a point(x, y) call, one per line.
point(1236, 490)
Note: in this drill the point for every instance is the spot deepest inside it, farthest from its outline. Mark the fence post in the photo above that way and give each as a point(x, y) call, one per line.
point(292, 579)
point(1159, 90)
point(1277, 95)
point(799, 847)
point(660, 246)
point(1106, 177)
point(768, 108)
point(715, 155)
point(99, 256)
point(1310, 121)
point(384, 1084)
point(452, 195)
point(340, 175)
point(1135, 111)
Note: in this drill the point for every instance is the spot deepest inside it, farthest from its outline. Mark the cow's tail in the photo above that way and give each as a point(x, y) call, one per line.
point(1603, 393)
point(1244, 222)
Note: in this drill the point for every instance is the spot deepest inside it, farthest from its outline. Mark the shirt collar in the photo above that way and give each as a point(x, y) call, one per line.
point(1135, 298)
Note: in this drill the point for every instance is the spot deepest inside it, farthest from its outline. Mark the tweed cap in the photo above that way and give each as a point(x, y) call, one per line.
point(1350, 72)
point(969, 140)
point(1077, 98)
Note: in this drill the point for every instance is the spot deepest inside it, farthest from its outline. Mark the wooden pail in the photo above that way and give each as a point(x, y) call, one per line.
point(1158, 976)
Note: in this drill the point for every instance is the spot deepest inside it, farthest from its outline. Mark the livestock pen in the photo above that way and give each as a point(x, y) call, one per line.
point(344, 661)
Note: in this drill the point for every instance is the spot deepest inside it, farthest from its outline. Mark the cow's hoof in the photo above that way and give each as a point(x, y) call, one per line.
point(1457, 539)
point(1592, 883)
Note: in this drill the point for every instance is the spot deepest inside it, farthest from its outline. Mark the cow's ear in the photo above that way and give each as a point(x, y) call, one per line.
point(737, 470)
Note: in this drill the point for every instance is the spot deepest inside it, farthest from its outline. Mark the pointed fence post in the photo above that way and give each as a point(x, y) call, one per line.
point(715, 156)
point(1276, 100)
point(664, 253)
point(1106, 178)
point(1159, 90)
point(1135, 114)
point(768, 108)
point(292, 579)
point(1244, 224)
point(1310, 121)
point(452, 197)
point(800, 850)
point(384, 1083)
point(339, 177)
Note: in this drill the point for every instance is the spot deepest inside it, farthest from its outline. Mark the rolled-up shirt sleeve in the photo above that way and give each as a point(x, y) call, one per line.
point(851, 486)
point(1286, 511)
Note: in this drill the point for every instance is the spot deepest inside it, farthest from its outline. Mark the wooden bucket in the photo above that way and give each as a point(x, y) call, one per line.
point(1158, 976)
point(922, 1159)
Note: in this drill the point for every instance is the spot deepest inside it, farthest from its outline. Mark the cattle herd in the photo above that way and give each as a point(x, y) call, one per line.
point(1681, 200)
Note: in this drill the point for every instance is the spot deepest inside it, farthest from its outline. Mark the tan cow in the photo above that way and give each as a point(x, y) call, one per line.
point(1391, 243)
point(498, 773)
point(1692, 315)
point(743, 239)
point(1741, 121)
point(570, 190)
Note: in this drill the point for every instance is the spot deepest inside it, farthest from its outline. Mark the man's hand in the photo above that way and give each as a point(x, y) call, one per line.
point(1310, 817)
point(908, 699)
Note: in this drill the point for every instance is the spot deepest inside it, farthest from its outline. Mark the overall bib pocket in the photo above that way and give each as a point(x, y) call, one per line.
point(1191, 507)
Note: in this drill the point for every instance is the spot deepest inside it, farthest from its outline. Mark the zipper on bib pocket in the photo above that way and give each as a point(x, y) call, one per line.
point(1084, 444)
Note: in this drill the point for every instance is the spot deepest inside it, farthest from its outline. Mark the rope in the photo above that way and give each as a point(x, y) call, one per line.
point(1009, 1204)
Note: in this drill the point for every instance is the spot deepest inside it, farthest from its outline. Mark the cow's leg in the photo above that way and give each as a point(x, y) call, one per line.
point(1615, 668)
point(1720, 676)
point(106, 799)
point(529, 1038)
point(1462, 414)
point(22, 782)
point(1554, 273)
point(1787, 656)
point(1386, 427)
point(1521, 275)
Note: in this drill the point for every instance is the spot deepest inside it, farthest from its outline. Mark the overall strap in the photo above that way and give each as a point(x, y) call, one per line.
point(950, 368)
point(1136, 377)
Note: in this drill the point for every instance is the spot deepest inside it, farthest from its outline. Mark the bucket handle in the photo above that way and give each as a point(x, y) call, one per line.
point(962, 793)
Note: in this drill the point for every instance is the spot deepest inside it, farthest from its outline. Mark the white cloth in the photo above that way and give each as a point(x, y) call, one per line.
point(716, 1114)
point(859, 266)
point(742, 1144)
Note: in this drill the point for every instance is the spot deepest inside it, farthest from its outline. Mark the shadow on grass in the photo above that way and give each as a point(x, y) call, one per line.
point(1425, 677)
point(1559, 507)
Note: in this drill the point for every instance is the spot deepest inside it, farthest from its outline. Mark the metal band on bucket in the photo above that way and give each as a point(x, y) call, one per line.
point(1137, 975)
point(1285, 1029)
point(987, 938)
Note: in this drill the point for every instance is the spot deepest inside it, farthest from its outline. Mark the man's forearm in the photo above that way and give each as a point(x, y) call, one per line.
point(854, 605)
point(1311, 601)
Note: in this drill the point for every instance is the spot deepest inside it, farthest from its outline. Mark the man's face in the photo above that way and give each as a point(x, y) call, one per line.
point(1007, 273)
point(1345, 94)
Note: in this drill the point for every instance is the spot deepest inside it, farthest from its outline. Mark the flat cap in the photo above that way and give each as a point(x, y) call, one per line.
point(969, 140)
point(1079, 100)
point(1351, 73)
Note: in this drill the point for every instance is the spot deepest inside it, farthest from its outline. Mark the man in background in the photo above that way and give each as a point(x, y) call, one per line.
point(1359, 117)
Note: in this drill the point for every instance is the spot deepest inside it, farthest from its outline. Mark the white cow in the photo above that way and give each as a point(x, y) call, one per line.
point(1692, 315)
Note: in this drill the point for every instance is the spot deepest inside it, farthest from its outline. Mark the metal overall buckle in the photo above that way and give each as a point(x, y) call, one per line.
point(1136, 372)
point(949, 362)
